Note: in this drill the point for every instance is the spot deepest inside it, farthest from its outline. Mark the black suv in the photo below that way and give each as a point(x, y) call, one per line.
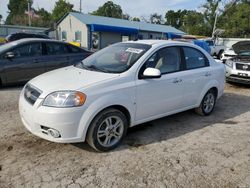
point(19, 35)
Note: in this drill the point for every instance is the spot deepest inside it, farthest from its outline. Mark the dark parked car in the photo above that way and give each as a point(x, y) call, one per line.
point(26, 58)
point(21, 35)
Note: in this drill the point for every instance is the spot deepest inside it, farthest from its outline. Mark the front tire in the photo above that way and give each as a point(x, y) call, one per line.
point(107, 130)
point(207, 104)
point(219, 56)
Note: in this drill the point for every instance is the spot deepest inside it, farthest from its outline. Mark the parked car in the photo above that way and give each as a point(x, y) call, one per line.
point(27, 58)
point(238, 67)
point(118, 87)
point(22, 35)
point(216, 50)
point(227, 54)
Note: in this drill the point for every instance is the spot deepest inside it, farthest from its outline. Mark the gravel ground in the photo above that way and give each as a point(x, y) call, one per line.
point(183, 150)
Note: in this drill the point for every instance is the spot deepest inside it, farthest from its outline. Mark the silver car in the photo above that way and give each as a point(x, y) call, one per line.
point(238, 67)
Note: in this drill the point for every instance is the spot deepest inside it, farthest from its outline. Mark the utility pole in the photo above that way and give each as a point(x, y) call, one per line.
point(29, 13)
point(80, 6)
point(215, 21)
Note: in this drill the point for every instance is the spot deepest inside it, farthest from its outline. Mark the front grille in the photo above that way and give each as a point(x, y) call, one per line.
point(31, 94)
point(238, 76)
point(244, 67)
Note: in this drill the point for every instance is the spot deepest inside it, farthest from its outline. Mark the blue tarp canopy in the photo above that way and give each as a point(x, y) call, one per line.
point(173, 36)
point(203, 45)
point(114, 29)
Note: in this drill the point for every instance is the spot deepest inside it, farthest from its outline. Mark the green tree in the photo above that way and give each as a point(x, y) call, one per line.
point(194, 23)
point(235, 20)
point(126, 17)
point(210, 8)
point(175, 19)
point(135, 19)
point(60, 9)
point(17, 12)
point(44, 20)
point(156, 18)
point(109, 9)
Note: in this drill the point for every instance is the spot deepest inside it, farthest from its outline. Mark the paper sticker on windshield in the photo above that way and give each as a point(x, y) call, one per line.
point(134, 50)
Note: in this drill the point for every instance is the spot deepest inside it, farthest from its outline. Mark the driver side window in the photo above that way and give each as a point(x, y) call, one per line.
point(167, 60)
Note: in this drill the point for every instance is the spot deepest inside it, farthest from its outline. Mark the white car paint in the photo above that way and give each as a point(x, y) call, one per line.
point(144, 99)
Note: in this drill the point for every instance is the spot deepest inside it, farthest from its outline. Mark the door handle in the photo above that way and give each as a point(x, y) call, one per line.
point(208, 74)
point(176, 81)
point(35, 61)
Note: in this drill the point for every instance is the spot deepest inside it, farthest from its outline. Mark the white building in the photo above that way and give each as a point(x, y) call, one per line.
point(96, 32)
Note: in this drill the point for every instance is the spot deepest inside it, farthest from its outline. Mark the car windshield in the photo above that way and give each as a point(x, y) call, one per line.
point(114, 59)
point(7, 46)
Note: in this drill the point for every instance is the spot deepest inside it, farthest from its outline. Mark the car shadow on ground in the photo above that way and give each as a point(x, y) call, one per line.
point(229, 106)
point(238, 85)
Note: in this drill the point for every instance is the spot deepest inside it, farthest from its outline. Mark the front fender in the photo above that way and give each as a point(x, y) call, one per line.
point(101, 103)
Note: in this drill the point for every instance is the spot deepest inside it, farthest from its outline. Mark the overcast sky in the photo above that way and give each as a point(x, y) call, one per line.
point(135, 8)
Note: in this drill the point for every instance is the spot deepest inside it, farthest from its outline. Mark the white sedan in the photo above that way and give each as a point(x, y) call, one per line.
point(121, 86)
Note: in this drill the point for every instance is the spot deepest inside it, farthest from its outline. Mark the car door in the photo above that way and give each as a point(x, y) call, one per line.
point(77, 54)
point(26, 63)
point(196, 76)
point(57, 55)
point(156, 97)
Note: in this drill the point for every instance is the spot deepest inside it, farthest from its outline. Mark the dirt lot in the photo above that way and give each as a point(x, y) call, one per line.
point(184, 150)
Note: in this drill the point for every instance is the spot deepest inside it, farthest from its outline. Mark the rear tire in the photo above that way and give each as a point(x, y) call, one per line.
point(207, 104)
point(107, 130)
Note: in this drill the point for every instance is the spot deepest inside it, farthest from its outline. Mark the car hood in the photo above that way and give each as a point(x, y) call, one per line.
point(69, 78)
point(243, 46)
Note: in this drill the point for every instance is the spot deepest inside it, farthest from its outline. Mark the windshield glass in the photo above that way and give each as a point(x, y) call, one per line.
point(115, 59)
point(7, 46)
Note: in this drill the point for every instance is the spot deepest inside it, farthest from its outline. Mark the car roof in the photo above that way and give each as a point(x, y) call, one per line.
point(25, 40)
point(161, 42)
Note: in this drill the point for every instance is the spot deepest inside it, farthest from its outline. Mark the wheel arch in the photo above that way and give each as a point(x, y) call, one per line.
point(215, 89)
point(100, 105)
point(214, 85)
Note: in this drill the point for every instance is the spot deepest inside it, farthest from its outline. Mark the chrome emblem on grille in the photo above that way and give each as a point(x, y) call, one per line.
point(245, 67)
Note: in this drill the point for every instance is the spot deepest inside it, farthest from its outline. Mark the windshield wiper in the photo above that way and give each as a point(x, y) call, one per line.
point(95, 68)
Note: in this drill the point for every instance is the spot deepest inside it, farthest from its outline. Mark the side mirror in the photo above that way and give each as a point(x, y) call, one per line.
point(9, 55)
point(151, 73)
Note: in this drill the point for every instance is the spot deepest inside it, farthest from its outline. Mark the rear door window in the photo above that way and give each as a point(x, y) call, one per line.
point(194, 58)
point(56, 48)
point(73, 49)
point(28, 50)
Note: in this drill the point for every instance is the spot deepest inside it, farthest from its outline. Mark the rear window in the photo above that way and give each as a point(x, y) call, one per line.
point(56, 48)
point(74, 49)
point(194, 58)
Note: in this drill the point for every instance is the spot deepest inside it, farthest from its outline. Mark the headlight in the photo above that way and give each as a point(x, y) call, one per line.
point(64, 99)
point(229, 63)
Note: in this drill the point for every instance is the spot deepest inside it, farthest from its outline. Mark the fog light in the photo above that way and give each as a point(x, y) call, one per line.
point(54, 133)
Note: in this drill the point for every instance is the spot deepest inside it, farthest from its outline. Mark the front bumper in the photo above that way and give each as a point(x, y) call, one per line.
point(37, 118)
point(233, 75)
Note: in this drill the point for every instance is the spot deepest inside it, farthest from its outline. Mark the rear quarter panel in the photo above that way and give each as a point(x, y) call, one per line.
point(217, 79)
